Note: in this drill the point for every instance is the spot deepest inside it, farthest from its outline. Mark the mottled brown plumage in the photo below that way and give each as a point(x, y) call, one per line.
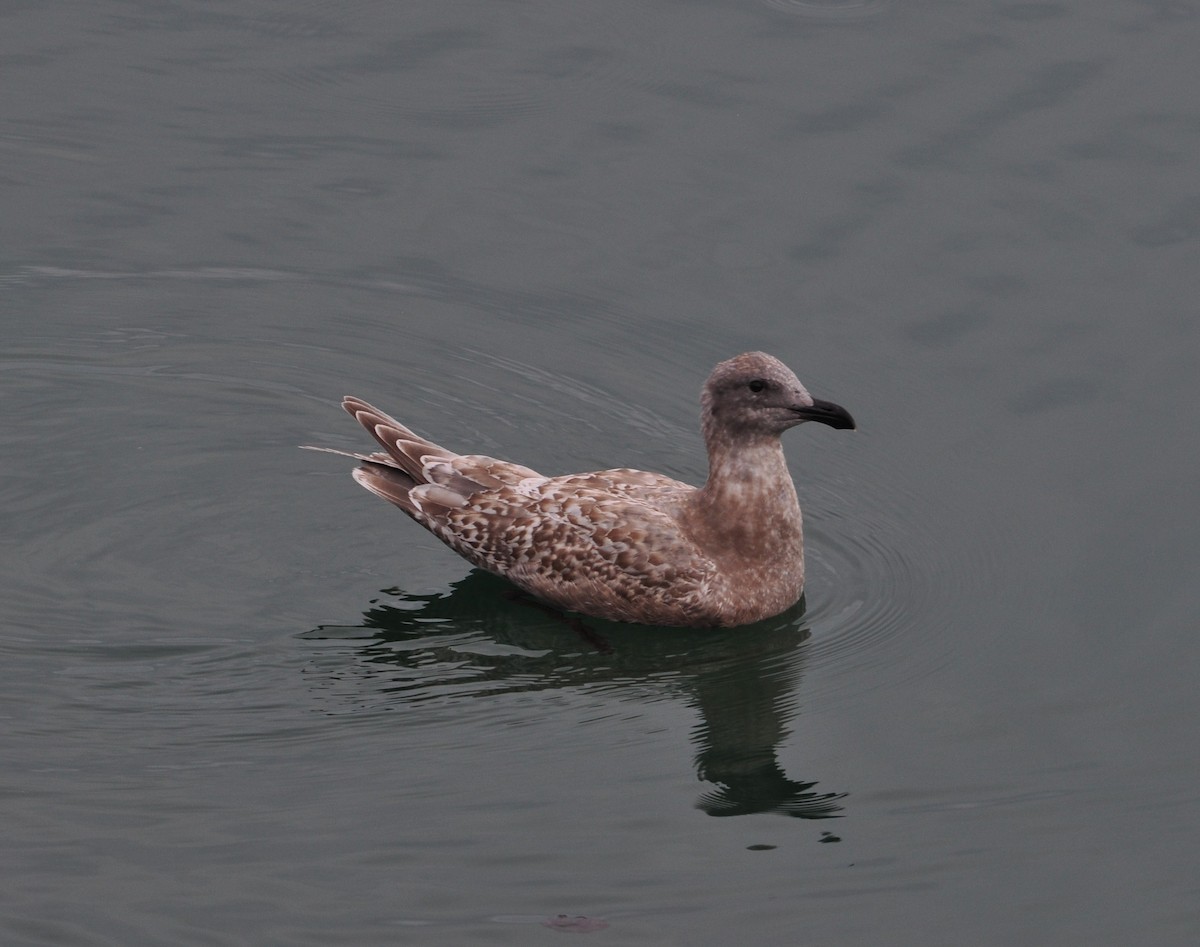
point(626, 544)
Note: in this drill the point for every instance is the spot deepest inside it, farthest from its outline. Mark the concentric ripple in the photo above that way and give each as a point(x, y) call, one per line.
point(883, 580)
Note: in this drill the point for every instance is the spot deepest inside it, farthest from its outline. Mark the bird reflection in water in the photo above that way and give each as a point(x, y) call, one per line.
point(482, 639)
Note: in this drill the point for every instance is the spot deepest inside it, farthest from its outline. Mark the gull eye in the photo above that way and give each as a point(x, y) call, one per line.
point(757, 385)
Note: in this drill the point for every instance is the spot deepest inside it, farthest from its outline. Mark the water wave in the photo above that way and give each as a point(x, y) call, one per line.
point(831, 9)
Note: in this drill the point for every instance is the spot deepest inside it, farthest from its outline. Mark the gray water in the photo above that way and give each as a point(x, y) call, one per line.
point(244, 702)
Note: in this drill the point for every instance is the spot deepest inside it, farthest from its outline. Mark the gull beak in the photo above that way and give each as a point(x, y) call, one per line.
point(827, 413)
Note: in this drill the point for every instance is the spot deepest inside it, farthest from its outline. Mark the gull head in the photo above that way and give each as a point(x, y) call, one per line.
point(756, 395)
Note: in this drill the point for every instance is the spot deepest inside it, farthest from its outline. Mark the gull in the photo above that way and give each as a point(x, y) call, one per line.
point(626, 545)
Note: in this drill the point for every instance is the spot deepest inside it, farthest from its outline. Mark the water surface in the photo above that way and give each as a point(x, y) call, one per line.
point(245, 702)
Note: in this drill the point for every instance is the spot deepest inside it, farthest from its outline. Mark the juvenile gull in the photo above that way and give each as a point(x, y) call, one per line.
point(625, 544)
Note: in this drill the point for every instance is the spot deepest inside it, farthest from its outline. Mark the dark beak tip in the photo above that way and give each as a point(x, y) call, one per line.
point(834, 415)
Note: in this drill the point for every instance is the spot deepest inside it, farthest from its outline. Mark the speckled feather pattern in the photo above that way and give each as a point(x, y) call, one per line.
point(625, 544)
